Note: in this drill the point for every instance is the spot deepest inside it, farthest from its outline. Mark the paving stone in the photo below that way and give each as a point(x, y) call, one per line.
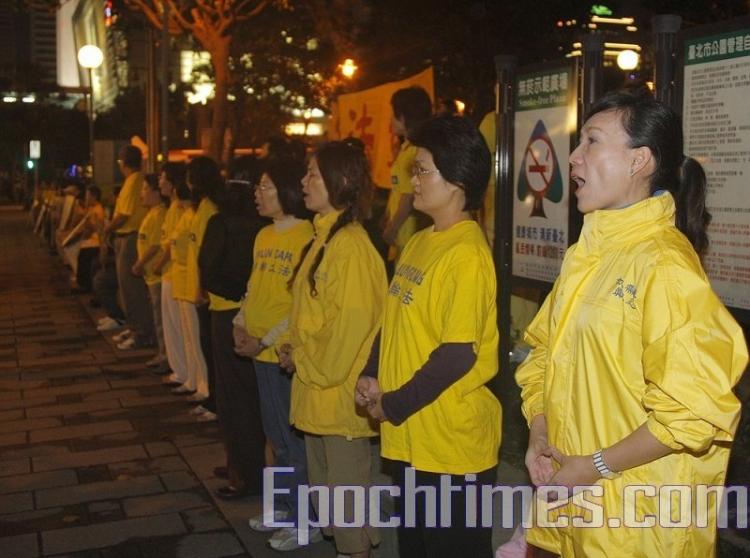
point(28, 424)
point(83, 387)
point(94, 491)
point(80, 371)
point(179, 480)
point(34, 451)
point(88, 458)
point(148, 466)
point(110, 534)
point(203, 519)
point(55, 360)
point(10, 395)
point(14, 414)
point(15, 467)
point(20, 546)
point(136, 382)
point(19, 384)
point(79, 431)
point(14, 503)
point(98, 507)
point(156, 401)
point(26, 403)
point(72, 409)
point(160, 449)
point(163, 503)
point(13, 439)
point(37, 481)
point(213, 545)
point(37, 520)
point(114, 394)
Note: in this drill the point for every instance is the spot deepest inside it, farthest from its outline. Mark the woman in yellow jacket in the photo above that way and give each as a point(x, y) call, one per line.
point(438, 348)
point(629, 383)
point(337, 302)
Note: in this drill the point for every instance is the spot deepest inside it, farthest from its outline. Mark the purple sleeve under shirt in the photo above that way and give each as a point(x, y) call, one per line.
point(445, 366)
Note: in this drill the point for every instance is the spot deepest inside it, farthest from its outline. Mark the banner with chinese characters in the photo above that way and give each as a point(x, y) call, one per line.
point(367, 115)
point(716, 117)
point(545, 121)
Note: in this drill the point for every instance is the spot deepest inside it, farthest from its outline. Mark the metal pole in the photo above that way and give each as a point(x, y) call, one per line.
point(505, 69)
point(91, 121)
point(164, 128)
point(152, 134)
point(593, 56)
point(665, 32)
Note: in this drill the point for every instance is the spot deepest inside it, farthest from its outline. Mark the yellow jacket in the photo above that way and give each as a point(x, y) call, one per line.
point(632, 333)
point(332, 333)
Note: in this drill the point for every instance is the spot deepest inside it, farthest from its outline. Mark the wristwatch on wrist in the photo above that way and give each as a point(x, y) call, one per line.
point(601, 466)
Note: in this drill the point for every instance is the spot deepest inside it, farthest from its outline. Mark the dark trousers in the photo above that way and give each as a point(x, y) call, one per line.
point(421, 541)
point(105, 289)
point(84, 275)
point(235, 391)
point(134, 291)
point(204, 325)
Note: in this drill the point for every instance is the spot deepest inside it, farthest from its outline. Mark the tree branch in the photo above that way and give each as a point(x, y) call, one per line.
point(174, 12)
point(252, 13)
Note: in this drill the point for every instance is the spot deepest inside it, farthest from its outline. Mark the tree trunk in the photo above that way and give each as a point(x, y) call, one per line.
point(220, 61)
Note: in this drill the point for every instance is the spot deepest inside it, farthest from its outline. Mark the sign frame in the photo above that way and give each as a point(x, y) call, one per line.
point(573, 216)
point(742, 315)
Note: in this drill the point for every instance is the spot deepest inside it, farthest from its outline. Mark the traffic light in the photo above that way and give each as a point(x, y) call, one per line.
point(30, 164)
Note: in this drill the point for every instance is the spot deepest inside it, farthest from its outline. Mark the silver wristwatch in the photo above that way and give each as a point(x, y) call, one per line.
point(601, 466)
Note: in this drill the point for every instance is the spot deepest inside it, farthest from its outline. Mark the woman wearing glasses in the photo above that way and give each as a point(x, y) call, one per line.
point(438, 344)
point(263, 317)
point(337, 302)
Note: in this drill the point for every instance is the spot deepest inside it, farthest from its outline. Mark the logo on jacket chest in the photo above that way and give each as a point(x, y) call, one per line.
point(628, 292)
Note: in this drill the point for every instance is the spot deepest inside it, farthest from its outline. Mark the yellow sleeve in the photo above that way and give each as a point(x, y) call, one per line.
point(694, 354)
point(530, 374)
point(352, 305)
point(401, 175)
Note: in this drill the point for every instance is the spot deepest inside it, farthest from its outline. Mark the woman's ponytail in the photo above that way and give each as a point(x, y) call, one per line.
point(692, 217)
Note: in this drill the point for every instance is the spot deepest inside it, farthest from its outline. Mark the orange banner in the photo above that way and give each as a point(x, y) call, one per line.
point(367, 115)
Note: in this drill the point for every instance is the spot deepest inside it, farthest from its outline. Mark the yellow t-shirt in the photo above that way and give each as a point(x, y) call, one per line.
point(150, 235)
point(95, 217)
point(179, 241)
point(171, 219)
point(129, 203)
point(206, 209)
point(401, 185)
point(332, 332)
point(443, 291)
point(275, 255)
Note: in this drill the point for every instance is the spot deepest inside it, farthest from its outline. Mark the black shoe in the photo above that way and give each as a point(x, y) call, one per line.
point(229, 492)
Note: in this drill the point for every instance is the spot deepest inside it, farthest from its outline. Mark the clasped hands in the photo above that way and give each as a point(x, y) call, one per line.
point(367, 394)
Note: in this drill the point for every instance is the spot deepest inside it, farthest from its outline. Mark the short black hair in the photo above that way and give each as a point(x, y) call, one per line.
point(460, 154)
point(247, 168)
point(286, 173)
point(204, 177)
point(131, 157)
point(95, 192)
point(175, 173)
point(413, 105)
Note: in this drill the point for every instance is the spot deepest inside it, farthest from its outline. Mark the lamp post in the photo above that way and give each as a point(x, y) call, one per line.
point(90, 57)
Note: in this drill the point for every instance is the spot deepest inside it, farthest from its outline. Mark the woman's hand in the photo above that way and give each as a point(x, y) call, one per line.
point(286, 359)
point(245, 344)
point(137, 269)
point(375, 407)
point(539, 455)
point(575, 470)
point(366, 390)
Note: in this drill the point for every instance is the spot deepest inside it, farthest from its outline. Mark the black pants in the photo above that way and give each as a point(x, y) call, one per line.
point(84, 270)
point(105, 289)
point(235, 391)
point(457, 540)
point(204, 324)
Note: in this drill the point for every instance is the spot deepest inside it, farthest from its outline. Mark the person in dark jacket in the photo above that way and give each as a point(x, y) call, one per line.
point(225, 261)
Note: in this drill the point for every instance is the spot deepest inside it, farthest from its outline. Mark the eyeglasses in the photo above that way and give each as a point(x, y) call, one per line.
point(417, 171)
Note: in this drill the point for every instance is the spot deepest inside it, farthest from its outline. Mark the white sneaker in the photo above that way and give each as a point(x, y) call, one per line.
point(287, 539)
point(129, 343)
point(208, 416)
point(108, 324)
point(262, 522)
point(198, 410)
point(122, 336)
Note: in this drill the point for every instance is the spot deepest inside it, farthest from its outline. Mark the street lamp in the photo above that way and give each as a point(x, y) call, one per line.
point(91, 57)
point(348, 68)
point(628, 60)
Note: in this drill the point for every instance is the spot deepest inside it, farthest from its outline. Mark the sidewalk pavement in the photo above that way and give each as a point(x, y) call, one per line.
point(97, 458)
